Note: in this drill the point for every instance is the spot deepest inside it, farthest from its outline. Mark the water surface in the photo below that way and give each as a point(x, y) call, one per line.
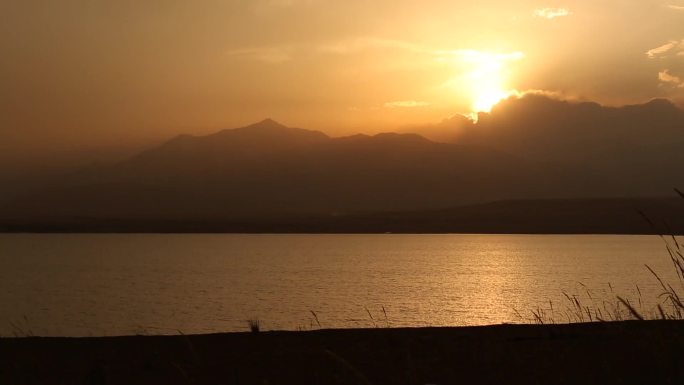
point(94, 284)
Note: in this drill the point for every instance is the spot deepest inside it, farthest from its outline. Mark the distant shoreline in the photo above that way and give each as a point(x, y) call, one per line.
point(627, 216)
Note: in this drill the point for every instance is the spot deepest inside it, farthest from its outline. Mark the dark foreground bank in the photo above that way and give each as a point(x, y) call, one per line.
point(647, 352)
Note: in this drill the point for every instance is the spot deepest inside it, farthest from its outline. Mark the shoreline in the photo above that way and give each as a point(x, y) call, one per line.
point(606, 216)
point(636, 352)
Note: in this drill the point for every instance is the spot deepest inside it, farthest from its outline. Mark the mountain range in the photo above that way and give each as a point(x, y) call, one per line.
point(529, 148)
point(641, 145)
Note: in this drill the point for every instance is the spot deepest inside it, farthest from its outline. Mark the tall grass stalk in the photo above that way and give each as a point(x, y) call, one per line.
point(670, 304)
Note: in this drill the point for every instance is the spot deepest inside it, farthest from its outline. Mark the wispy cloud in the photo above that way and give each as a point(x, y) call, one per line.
point(361, 44)
point(666, 77)
point(676, 7)
point(672, 45)
point(268, 5)
point(440, 55)
point(284, 53)
point(552, 13)
point(273, 55)
point(406, 104)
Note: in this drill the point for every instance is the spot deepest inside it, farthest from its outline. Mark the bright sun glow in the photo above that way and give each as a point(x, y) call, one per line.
point(482, 78)
point(486, 80)
point(485, 99)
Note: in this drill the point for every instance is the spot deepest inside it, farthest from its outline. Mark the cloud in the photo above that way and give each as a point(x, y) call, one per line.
point(676, 7)
point(670, 52)
point(672, 47)
point(269, 5)
point(552, 13)
point(666, 77)
point(406, 104)
point(663, 49)
point(273, 55)
point(358, 45)
point(347, 47)
point(280, 54)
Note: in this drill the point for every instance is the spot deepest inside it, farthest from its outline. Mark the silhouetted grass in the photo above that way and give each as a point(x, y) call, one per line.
point(371, 317)
point(671, 299)
point(254, 325)
point(21, 331)
point(313, 313)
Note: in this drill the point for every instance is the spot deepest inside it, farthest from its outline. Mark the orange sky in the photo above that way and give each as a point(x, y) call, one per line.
point(108, 72)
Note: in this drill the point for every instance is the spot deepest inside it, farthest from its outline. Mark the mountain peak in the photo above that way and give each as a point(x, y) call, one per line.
point(267, 123)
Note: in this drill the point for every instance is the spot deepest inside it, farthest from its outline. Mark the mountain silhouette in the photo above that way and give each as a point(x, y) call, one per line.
point(637, 143)
point(549, 129)
point(528, 148)
point(222, 151)
point(270, 170)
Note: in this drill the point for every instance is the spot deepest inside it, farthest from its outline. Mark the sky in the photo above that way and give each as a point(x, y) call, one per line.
point(77, 72)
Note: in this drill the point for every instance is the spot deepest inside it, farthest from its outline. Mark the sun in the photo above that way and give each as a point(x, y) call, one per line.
point(485, 99)
point(483, 78)
point(486, 81)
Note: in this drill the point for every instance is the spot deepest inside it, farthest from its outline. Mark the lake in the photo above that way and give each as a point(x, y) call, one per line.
point(114, 284)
